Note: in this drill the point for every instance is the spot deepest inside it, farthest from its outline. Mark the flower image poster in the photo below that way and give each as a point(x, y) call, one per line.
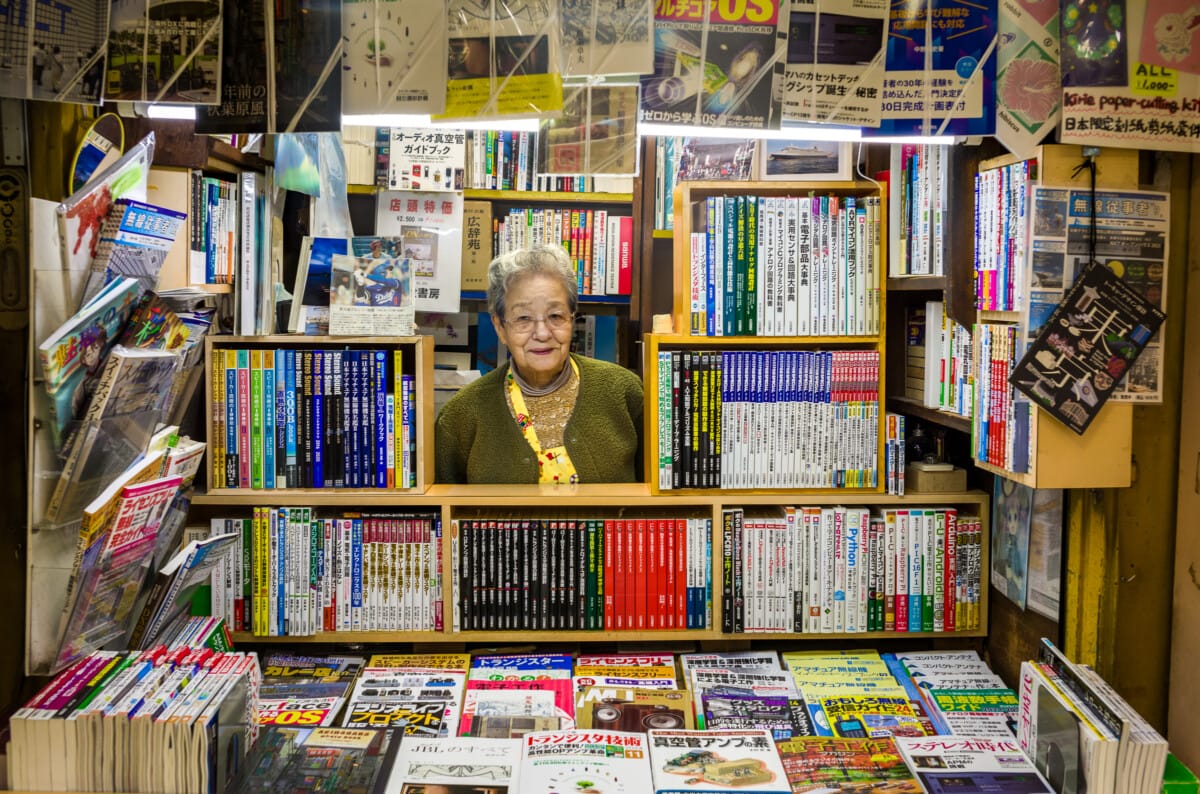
point(1028, 88)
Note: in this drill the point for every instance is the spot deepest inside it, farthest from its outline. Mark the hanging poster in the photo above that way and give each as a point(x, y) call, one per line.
point(503, 59)
point(1012, 509)
point(606, 37)
point(165, 52)
point(426, 159)
point(1027, 80)
point(1131, 74)
point(717, 64)
point(285, 83)
point(394, 55)
point(59, 55)
point(835, 60)
point(1131, 239)
point(596, 134)
point(1089, 343)
point(941, 69)
point(425, 229)
point(1043, 582)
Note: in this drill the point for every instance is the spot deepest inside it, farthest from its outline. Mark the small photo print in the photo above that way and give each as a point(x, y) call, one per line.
point(804, 161)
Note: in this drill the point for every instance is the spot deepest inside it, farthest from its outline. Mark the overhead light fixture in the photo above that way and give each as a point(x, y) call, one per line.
point(426, 122)
point(810, 132)
point(170, 111)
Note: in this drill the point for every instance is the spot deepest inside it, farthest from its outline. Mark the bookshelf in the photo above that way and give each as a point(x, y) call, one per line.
point(458, 502)
point(1058, 458)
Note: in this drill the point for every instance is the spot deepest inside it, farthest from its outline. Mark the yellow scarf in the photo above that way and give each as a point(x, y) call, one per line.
point(554, 464)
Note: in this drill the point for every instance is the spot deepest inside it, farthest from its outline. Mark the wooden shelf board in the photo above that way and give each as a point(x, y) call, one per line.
point(300, 340)
point(906, 405)
point(551, 196)
point(314, 497)
point(1025, 479)
point(581, 635)
point(590, 494)
point(995, 316)
point(733, 498)
point(674, 340)
point(620, 300)
point(779, 495)
point(916, 283)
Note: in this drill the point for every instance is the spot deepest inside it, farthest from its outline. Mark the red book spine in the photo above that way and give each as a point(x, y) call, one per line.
point(607, 588)
point(951, 580)
point(681, 569)
point(649, 534)
point(671, 574)
point(625, 256)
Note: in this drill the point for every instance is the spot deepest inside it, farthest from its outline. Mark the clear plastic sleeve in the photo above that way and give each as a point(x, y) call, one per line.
point(63, 62)
point(393, 56)
point(171, 54)
point(596, 134)
point(607, 37)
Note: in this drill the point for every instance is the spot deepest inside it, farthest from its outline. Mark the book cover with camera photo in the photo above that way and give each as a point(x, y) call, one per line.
point(637, 710)
point(744, 761)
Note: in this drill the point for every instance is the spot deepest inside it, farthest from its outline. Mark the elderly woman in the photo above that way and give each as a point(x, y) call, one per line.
point(548, 415)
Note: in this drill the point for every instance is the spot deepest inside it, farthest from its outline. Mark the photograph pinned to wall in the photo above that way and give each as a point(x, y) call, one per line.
point(956, 95)
point(165, 52)
point(604, 37)
point(721, 70)
point(520, 77)
point(1012, 511)
point(426, 159)
point(805, 161)
point(57, 56)
point(835, 62)
point(716, 158)
point(596, 134)
point(1028, 86)
point(393, 56)
point(371, 295)
point(425, 229)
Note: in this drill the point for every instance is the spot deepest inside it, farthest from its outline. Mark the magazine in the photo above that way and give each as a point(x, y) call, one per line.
point(827, 765)
point(460, 766)
point(318, 759)
point(520, 77)
point(393, 57)
point(311, 293)
point(63, 62)
point(735, 81)
point(510, 713)
point(134, 242)
point(613, 709)
point(420, 702)
point(744, 761)
point(946, 764)
point(164, 52)
point(578, 761)
point(424, 231)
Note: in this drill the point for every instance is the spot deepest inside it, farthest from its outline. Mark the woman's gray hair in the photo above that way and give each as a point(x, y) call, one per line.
point(549, 260)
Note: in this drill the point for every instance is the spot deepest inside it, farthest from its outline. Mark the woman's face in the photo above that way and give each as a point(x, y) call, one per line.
point(540, 352)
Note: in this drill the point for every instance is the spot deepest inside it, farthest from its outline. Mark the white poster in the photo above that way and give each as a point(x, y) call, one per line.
point(424, 159)
point(394, 56)
point(427, 231)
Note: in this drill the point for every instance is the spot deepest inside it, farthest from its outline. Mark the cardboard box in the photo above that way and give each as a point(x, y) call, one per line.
point(476, 245)
point(922, 478)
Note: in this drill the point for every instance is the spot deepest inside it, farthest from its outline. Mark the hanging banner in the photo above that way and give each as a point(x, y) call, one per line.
point(165, 52)
point(941, 69)
point(1131, 74)
point(835, 60)
point(1027, 80)
point(607, 37)
point(395, 51)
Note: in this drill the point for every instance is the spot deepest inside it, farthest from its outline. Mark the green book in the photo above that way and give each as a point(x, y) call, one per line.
point(739, 269)
point(256, 419)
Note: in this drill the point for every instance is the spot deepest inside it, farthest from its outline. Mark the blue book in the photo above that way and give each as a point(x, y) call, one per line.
point(350, 388)
point(318, 419)
point(356, 565)
point(379, 392)
point(410, 416)
point(269, 405)
point(231, 425)
point(289, 396)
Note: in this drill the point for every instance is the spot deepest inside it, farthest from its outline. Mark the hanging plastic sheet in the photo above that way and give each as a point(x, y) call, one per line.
point(835, 59)
point(165, 52)
point(1028, 90)
point(395, 52)
point(607, 37)
point(717, 63)
point(61, 57)
point(503, 59)
point(596, 134)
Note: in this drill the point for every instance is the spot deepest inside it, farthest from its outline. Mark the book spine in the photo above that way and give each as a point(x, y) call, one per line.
point(243, 418)
point(256, 419)
point(379, 391)
point(268, 410)
point(318, 419)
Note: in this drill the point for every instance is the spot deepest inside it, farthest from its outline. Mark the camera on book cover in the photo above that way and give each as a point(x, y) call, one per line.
point(618, 715)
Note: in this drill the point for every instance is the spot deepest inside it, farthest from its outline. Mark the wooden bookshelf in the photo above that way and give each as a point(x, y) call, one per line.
point(550, 196)
point(915, 408)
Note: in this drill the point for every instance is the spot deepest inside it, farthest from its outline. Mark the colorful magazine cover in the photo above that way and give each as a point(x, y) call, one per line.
point(165, 52)
point(314, 281)
point(947, 764)
point(58, 56)
point(426, 159)
point(318, 759)
point(393, 56)
point(503, 60)
point(745, 761)
point(371, 296)
point(134, 242)
point(580, 761)
point(722, 68)
point(956, 88)
point(824, 765)
point(614, 709)
point(870, 717)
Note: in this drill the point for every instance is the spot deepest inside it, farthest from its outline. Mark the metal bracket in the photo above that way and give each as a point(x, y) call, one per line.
point(12, 131)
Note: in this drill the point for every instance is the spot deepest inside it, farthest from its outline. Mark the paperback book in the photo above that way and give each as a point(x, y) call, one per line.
point(745, 761)
point(462, 766)
point(947, 764)
point(824, 765)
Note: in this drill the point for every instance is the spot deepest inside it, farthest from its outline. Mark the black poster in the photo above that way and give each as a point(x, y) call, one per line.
point(1090, 341)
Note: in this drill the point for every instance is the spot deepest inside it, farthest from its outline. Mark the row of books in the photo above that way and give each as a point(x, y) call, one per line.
point(156, 720)
point(642, 574)
point(846, 570)
point(786, 266)
point(1001, 424)
point(319, 418)
point(292, 573)
point(1002, 214)
point(599, 244)
point(939, 360)
point(768, 419)
point(667, 150)
point(918, 179)
point(214, 229)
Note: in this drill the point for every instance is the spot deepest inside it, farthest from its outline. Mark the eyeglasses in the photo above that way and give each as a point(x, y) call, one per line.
point(524, 324)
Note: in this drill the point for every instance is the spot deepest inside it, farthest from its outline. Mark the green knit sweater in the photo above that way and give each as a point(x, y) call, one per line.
point(477, 440)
